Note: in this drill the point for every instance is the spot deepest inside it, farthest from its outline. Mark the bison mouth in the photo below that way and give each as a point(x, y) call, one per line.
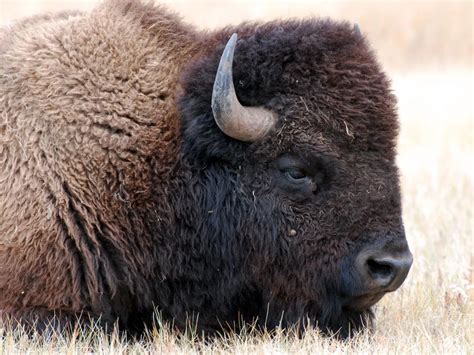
point(363, 302)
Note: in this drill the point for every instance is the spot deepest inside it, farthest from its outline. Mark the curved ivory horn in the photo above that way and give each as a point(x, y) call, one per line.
point(243, 123)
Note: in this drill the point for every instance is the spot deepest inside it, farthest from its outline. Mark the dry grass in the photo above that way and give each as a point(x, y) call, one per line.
point(433, 312)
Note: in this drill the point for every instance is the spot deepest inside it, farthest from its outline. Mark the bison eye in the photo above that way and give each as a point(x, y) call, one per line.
point(296, 175)
point(299, 177)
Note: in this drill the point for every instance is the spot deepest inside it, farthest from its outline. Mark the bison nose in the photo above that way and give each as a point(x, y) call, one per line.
point(383, 271)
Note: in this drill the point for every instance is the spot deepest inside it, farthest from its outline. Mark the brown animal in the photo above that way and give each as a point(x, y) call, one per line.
point(133, 176)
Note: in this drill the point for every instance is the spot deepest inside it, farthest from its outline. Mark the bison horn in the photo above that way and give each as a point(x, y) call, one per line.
point(243, 123)
point(357, 31)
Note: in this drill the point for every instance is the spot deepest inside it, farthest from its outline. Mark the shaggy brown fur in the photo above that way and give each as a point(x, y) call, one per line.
point(118, 191)
point(88, 115)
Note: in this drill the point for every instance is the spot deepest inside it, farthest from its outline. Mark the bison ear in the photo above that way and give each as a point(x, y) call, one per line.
point(247, 124)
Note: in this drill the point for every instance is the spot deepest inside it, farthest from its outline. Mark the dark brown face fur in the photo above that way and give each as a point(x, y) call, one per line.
point(322, 187)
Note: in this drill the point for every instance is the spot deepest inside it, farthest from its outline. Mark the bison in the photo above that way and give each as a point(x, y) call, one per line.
point(242, 175)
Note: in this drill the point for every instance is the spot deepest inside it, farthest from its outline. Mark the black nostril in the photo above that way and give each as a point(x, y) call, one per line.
point(379, 269)
point(383, 271)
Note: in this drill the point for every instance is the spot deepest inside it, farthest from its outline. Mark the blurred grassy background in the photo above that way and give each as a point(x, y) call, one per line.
point(407, 34)
point(427, 49)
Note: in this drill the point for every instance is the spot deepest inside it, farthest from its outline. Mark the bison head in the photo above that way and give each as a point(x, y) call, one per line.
point(288, 209)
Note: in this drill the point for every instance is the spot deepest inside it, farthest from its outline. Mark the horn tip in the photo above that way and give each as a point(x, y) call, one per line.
point(232, 39)
point(356, 29)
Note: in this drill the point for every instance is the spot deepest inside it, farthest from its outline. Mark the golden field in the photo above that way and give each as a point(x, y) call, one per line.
point(427, 48)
